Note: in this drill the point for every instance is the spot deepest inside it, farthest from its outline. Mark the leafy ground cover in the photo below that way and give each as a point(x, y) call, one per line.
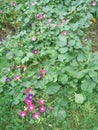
point(49, 72)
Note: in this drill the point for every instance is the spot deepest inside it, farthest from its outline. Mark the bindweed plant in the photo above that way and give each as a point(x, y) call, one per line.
point(48, 67)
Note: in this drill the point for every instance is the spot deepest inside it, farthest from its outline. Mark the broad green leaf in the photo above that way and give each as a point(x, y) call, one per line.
point(63, 50)
point(61, 115)
point(61, 57)
point(52, 88)
point(31, 121)
point(93, 75)
point(62, 38)
point(63, 78)
point(79, 98)
point(88, 85)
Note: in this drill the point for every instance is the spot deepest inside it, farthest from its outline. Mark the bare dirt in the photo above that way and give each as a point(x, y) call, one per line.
point(93, 35)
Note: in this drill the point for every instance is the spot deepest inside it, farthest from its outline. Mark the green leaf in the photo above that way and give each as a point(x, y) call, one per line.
point(62, 38)
point(61, 43)
point(16, 102)
point(61, 115)
point(88, 85)
point(1, 90)
point(93, 75)
point(9, 55)
point(63, 50)
point(63, 78)
point(79, 98)
point(61, 57)
point(52, 88)
point(31, 121)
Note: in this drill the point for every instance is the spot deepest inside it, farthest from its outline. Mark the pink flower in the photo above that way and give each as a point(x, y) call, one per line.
point(64, 33)
point(33, 38)
point(42, 108)
point(24, 67)
point(49, 20)
point(31, 107)
point(16, 67)
point(41, 17)
point(63, 20)
point(28, 102)
point(36, 115)
point(28, 91)
point(17, 77)
point(33, 3)
point(43, 72)
point(94, 3)
point(38, 15)
point(41, 101)
point(23, 113)
point(14, 4)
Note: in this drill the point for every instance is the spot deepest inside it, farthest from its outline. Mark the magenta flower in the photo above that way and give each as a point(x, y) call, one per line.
point(94, 3)
point(63, 20)
point(42, 108)
point(29, 97)
point(36, 115)
point(16, 67)
point(35, 51)
point(33, 38)
point(64, 33)
point(28, 91)
point(28, 101)
point(43, 72)
point(38, 15)
point(14, 4)
point(23, 113)
point(41, 17)
point(17, 77)
point(41, 101)
point(33, 3)
point(24, 67)
point(49, 20)
point(31, 107)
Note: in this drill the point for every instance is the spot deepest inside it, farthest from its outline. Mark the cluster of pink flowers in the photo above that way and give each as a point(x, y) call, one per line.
point(31, 107)
point(17, 77)
point(23, 67)
point(41, 17)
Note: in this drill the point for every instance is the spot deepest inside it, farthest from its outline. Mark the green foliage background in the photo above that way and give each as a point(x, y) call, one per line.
point(71, 82)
